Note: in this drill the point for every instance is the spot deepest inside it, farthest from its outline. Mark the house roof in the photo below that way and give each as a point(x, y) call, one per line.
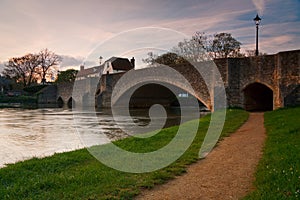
point(116, 62)
point(89, 71)
point(120, 63)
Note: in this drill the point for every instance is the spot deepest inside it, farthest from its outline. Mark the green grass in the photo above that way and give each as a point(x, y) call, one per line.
point(278, 173)
point(78, 175)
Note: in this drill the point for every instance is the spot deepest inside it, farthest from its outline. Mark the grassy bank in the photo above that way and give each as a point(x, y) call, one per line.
point(278, 174)
point(18, 101)
point(78, 175)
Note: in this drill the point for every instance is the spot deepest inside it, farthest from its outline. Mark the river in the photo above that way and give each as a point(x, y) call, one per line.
point(27, 133)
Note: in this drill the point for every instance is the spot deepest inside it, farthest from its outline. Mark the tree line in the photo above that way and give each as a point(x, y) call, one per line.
point(32, 67)
point(201, 47)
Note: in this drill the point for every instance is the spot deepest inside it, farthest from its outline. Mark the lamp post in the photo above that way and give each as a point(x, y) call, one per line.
point(257, 20)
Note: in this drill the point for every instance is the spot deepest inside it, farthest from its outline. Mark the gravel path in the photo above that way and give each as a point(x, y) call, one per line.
point(226, 173)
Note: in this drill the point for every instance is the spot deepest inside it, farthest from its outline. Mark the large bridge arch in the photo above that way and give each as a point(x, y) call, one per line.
point(162, 75)
point(258, 96)
point(148, 94)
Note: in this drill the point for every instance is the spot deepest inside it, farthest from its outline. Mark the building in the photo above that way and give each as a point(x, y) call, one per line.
point(110, 66)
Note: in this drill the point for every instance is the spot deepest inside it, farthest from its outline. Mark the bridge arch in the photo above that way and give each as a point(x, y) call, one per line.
point(71, 102)
point(60, 102)
point(151, 93)
point(258, 97)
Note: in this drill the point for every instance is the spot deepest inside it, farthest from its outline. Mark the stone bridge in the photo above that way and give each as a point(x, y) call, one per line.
point(253, 83)
point(80, 93)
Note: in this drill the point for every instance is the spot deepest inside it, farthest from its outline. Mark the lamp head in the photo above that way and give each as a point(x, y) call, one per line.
point(257, 20)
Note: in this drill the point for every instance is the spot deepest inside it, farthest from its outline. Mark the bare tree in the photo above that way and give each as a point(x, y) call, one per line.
point(194, 49)
point(22, 69)
point(31, 67)
point(150, 59)
point(47, 60)
point(15, 69)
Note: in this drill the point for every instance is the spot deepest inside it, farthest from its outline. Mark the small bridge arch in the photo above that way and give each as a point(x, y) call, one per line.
point(71, 102)
point(258, 96)
point(60, 102)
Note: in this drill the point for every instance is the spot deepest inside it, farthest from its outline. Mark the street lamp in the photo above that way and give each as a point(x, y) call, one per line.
point(100, 60)
point(257, 20)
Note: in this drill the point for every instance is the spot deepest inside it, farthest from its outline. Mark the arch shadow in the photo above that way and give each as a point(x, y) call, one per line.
point(153, 93)
point(60, 102)
point(258, 97)
point(71, 103)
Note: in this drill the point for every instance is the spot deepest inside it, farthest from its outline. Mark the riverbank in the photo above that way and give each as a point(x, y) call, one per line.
point(78, 175)
point(18, 101)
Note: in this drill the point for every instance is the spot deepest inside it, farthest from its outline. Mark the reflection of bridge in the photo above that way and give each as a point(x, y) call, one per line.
point(255, 83)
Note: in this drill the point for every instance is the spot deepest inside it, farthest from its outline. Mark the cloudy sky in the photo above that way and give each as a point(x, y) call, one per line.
point(75, 28)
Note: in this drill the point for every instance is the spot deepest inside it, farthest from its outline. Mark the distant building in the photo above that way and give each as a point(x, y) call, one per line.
point(89, 72)
point(110, 66)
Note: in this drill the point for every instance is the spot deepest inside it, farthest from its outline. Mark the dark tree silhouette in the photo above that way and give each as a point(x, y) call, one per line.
point(31, 67)
point(224, 45)
point(22, 69)
point(67, 76)
point(47, 59)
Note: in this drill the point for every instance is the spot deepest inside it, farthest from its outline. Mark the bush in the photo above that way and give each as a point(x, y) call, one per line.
point(34, 89)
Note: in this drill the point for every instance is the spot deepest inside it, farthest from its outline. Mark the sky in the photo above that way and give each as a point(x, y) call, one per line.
point(82, 30)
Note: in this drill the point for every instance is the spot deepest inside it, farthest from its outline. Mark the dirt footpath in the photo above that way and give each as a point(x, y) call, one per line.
point(226, 173)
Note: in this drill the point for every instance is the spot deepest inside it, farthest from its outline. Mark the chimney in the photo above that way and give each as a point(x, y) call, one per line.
point(132, 61)
point(81, 67)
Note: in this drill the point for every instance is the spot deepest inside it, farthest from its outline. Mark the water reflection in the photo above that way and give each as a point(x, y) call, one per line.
point(41, 132)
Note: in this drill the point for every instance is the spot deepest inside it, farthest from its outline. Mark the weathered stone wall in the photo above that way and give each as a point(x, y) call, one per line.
point(245, 71)
point(47, 96)
point(289, 77)
point(105, 87)
point(279, 72)
point(82, 92)
point(64, 91)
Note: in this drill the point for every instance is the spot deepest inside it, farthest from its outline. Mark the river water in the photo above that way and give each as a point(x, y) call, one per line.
point(27, 133)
